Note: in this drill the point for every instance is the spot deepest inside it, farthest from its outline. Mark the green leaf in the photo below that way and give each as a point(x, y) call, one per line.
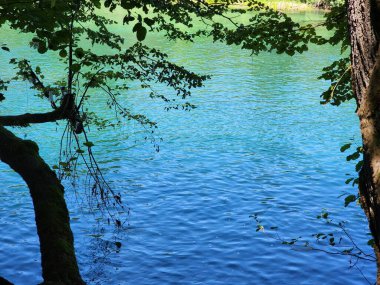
point(149, 22)
point(135, 27)
point(96, 3)
point(62, 36)
point(345, 147)
point(349, 199)
point(42, 47)
point(140, 31)
point(349, 180)
point(353, 156)
point(79, 53)
point(5, 48)
point(107, 3)
point(358, 166)
point(80, 151)
point(128, 19)
point(88, 144)
point(63, 53)
point(128, 5)
point(75, 67)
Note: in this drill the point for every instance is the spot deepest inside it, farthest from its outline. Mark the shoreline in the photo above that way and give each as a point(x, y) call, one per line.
point(289, 6)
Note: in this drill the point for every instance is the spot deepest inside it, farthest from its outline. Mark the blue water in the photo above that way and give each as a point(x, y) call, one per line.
point(258, 142)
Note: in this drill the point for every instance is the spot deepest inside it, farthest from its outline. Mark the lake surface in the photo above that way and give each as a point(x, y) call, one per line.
point(258, 142)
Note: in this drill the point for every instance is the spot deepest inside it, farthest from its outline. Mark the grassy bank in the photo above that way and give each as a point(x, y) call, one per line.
point(286, 5)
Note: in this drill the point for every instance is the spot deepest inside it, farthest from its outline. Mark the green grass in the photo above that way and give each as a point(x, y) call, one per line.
point(287, 5)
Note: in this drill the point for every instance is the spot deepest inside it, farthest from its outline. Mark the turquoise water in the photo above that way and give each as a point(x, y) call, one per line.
point(258, 142)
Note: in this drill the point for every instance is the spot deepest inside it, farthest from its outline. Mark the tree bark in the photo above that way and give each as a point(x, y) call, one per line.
point(59, 264)
point(369, 176)
point(5, 281)
point(364, 43)
point(363, 18)
point(25, 120)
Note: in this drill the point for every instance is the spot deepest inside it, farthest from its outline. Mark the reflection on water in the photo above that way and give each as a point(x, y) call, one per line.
point(258, 143)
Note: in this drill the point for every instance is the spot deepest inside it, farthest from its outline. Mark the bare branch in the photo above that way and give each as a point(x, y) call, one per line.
point(25, 119)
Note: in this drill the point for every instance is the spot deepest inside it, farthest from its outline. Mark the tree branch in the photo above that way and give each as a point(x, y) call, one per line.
point(25, 119)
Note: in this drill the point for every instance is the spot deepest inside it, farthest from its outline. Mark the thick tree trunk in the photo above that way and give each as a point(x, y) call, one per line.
point(59, 265)
point(364, 43)
point(365, 59)
point(369, 183)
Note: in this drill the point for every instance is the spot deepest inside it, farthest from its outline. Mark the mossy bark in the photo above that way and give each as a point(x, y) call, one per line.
point(59, 264)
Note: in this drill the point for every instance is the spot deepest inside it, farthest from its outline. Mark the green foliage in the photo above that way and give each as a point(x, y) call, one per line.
point(284, 4)
point(88, 144)
point(355, 156)
point(339, 72)
point(4, 47)
point(349, 199)
point(324, 3)
point(58, 27)
point(340, 90)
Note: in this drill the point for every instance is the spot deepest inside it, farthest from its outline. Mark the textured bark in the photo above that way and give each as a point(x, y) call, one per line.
point(365, 60)
point(59, 265)
point(369, 184)
point(363, 43)
point(67, 110)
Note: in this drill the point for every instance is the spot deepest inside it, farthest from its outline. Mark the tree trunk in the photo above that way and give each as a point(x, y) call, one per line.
point(369, 176)
point(59, 264)
point(364, 43)
point(5, 281)
point(365, 60)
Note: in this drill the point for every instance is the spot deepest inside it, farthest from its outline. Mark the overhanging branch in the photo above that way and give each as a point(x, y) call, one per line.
point(26, 119)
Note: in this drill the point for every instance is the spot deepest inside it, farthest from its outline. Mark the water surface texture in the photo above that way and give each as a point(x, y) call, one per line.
point(258, 142)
